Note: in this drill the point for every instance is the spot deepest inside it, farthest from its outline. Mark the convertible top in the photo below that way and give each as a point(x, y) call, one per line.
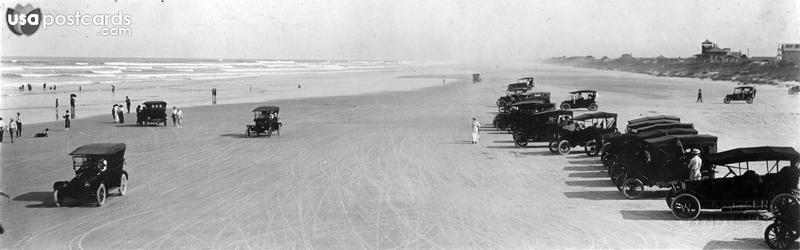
point(754, 154)
point(529, 102)
point(665, 132)
point(595, 115)
point(99, 149)
point(682, 139)
point(662, 126)
point(745, 87)
point(583, 91)
point(148, 103)
point(658, 117)
point(650, 123)
point(267, 109)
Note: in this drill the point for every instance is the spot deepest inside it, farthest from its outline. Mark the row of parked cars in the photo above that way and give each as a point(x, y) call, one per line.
point(653, 153)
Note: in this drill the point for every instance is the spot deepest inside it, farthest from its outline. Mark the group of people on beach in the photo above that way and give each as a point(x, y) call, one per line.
point(14, 128)
point(30, 87)
point(118, 114)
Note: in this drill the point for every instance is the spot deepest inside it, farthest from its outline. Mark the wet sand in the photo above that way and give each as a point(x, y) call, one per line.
point(383, 170)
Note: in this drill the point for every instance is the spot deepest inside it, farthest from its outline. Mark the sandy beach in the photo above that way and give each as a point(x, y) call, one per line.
point(384, 169)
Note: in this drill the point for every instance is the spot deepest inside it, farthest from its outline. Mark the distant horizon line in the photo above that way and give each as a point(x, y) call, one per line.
point(218, 59)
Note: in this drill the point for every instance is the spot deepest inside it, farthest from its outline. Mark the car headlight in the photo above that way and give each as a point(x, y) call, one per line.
point(86, 184)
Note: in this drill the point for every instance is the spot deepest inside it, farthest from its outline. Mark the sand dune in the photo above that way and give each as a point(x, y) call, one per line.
point(387, 170)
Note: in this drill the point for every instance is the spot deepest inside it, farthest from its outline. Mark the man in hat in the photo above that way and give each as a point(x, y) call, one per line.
point(694, 165)
point(475, 125)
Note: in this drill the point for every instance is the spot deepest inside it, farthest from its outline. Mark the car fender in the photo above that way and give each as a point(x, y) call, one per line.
point(60, 185)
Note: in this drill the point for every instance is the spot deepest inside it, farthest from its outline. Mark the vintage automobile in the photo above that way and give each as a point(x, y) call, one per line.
point(540, 127)
point(587, 130)
point(660, 162)
point(152, 112)
point(266, 119)
point(747, 189)
point(476, 78)
point(98, 169)
point(579, 100)
point(505, 103)
point(614, 146)
point(633, 127)
point(794, 90)
point(657, 117)
point(783, 232)
point(521, 86)
point(509, 120)
point(744, 93)
point(615, 143)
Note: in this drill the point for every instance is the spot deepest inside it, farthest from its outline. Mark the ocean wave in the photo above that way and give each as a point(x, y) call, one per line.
point(107, 72)
point(6, 75)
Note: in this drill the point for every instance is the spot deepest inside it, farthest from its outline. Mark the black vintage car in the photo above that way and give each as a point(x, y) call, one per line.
point(744, 93)
point(794, 90)
point(587, 130)
point(518, 112)
point(98, 169)
point(152, 112)
point(476, 78)
point(616, 143)
point(266, 119)
point(661, 162)
point(540, 127)
point(747, 189)
point(581, 99)
point(505, 103)
point(633, 127)
point(522, 85)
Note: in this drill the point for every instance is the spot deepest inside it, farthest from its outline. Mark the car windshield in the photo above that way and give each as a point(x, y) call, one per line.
point(84, 162)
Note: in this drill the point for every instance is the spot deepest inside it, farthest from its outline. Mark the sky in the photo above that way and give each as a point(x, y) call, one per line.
point(446, 30)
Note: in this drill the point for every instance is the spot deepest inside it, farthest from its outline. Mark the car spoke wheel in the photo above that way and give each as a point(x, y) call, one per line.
point(783, 204)
point(100, 195)
point(593, 107)
point(778, 236)
point(592, 148)
point(685, 207)
point(632, 188)
point(564, 147)
point(749, 100)
point(123, 185)
point(727, 100)
point(565, 106)
point(520, 141)
point(553, 146)
point(56, 198)
point(501, 109)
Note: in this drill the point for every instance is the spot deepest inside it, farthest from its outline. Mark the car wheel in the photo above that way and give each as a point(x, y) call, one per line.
point(123, 185)
point(727, 100)
point(57, 198)
point(553, 146)
point(632, 188)
point(565, 106)
point(749, 100)
point(564, 147)
point(501, 103)
point(778, 236)
point(593, 107)
point(685, 207)
point(100, 195)
point(592, 148)
point(501, 109)
point(520, 141)
point(782, 204)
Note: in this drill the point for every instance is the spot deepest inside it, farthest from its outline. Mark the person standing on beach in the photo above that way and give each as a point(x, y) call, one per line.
point(475, 126)
point(180, 118)
point(113, 88)
point(2, 128)
point(114, 113)
point(120, 114)
point(44, 86)
point(19, 125)
point(66, 121)
point(699, 96)
point(128, 104)
point(695, 163)
point(56, 109)
point(12, 127)
point(174, 115)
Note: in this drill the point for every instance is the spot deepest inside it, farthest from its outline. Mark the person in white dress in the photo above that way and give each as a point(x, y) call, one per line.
point(475, 126)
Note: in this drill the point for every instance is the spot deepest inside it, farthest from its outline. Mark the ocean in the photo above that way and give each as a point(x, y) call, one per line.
point(184, 82)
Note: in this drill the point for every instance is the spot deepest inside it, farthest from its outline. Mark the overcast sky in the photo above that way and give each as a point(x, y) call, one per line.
point(477, 30)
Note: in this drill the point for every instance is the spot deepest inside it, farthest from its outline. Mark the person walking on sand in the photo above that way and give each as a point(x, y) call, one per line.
point(120, 114)
point(114, 113)
point(699, 96)
point(12, 127)
point(19, 125)
point(66, 121)
point(2, 128)
point(56, 109)
point(174, 115)
point(180, 118)
point(694, 165)
point(128, 104)
point(475, 126)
